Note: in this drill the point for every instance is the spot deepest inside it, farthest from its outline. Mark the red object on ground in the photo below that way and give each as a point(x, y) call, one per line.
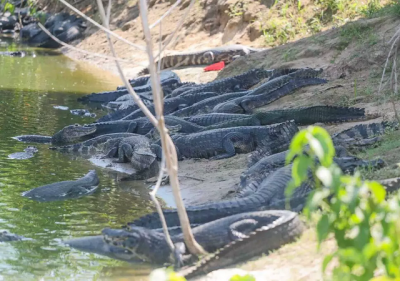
point(215, 67)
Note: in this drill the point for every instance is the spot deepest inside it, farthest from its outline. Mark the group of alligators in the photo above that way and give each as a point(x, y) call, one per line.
point(215, 120)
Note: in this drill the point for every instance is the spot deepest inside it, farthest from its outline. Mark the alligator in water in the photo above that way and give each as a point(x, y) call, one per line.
point(97, 245)
point(6, 236)
point(28, 153)
point(67, 135)
point(65, 190)
point(226, 142)
point(151, 246)
point(204, 57)
point(13, 54)
point(270, 194)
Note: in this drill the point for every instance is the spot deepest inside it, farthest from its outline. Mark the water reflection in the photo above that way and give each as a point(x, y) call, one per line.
point(30, 87)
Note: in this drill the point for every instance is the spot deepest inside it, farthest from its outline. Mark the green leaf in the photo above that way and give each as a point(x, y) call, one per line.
point(328, 258)
point(323, 226)
point(377, 190)
point(326, 144)
point(300, 168)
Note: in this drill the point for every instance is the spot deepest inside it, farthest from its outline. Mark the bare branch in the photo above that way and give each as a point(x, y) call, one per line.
point(107, 30)
point(167, 144)
point(77, 49)
point(387, 59)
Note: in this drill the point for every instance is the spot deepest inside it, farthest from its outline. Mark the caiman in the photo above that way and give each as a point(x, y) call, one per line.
point(65, 189)
point(6, 236)
point(226, 142)
point(152, 247)
point(204, 57)
point(270, 192)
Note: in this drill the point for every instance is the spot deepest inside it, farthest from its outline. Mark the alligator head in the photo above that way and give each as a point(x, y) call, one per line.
point(255, 77)
point(72, 133)
point(146, 244)
point(349, 164)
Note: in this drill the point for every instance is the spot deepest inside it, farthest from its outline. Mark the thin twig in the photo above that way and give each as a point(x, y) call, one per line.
point(77, 49)
point(107, 30)
point(167, 144)
point(158, 206)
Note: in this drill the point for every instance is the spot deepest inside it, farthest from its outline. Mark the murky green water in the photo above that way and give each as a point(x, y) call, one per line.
point(29, 88)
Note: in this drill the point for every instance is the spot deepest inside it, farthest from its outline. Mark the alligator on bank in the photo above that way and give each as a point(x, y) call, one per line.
point(205, 57)
point(66, 135)
point(270, 194)
point(241, 82)
point(169, 82)
point(151, 246)
point(65, 190)
point(226, 142)
point(286, 229)
point(106, 145)
point(271, 91)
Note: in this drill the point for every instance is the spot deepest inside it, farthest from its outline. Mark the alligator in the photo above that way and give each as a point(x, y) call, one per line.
point(170, 105)
point(262, 240)
point(209, 119)
point(168, 85)
point(141, 126)
point(66, 135)
point(237, 83)
point(151, 246)
point(145, 80)
point(13, 54)
point(256, 172)
point(137, 151)
point(65, 189)
point(97, 245)
point(270, 192)
point(226, 142)
point(271, 91)
point(363, 134)
point(106, 145)
point(205, 57)
point(6, 236)
point(206, 105)
point(310, 115)
point(28, 153)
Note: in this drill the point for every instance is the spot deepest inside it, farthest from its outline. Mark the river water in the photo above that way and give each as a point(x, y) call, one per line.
point(30, 87)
